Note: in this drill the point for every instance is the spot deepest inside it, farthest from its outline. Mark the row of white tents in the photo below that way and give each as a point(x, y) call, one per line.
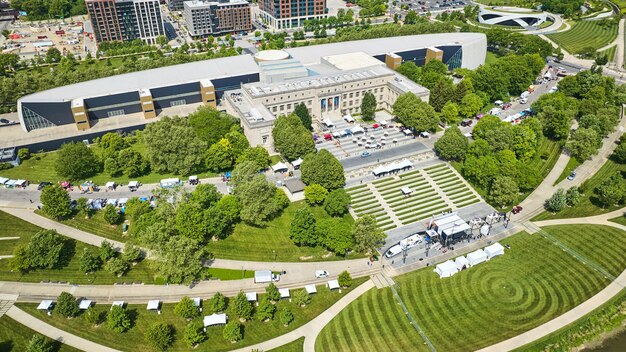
point(449, 268)
point(393, 167)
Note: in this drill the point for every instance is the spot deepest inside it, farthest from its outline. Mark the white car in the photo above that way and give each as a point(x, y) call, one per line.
point(553, 89)
point(321, 274)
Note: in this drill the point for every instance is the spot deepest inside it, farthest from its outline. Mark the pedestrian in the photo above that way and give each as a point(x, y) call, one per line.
point(392, 262)
point(361, 181)
point(383, 266)
point(31, 201)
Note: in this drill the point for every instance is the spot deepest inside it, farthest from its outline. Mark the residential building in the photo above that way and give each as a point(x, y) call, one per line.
point(285, 14)
point(125, 20)
point(205, 18)
point(175, 4)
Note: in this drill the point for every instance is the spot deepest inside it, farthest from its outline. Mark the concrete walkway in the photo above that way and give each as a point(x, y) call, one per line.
point(54, 333)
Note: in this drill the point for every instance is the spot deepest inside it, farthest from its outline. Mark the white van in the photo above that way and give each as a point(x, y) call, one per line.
point(393, 251)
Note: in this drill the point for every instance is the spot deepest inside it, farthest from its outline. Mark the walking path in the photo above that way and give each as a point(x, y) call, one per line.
point(56, 334)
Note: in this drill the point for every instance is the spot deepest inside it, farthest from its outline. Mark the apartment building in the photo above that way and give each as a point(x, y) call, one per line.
point(205, 18)
point(285, 14)
point(125, 20)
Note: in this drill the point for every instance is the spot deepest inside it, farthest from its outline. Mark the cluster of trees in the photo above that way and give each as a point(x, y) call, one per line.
point(343, 18)
point(118, 157)
point(292, 139)
point(566, 7)
point(125, 48)
point(44, 10)
point(108, 258)
point(561, 198)
point(504, 42)
point(45, 250)
point(415, 113)
point(371, 8)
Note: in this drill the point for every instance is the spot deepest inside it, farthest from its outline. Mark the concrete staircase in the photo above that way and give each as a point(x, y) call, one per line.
point(381, 280)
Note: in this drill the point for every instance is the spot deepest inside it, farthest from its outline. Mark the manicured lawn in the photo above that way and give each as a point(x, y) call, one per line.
point(294, 346)
point(254, 331)
point(620, 220)
point(14, 337)
point(530, 284)
point(610, 52)
point(584, 34)
point(588, 205)
point(272, 242)
point(572, 164)
point(14, 227)
point(95, 224)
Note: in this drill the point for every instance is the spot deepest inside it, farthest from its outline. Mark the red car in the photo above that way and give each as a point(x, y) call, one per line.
point(516, 209)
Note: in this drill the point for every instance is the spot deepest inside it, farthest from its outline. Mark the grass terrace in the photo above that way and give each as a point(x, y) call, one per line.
point(610, 52)
point(294, 346)
point(585, 34)
point(532, 283)
point(14, 337)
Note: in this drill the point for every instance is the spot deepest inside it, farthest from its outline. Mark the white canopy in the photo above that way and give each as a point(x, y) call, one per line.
point(379, 170)
point(328, 123)
point(284, 293)
point(348, 118)
point(133, 184)
point(153, 304)
point(383, 122)
point(476, 257)
point(196, 301)
point(112, 201)
point(10, 183)
point(406, 190)
point(446, 269)
point(332, 284)
point(21, 183)
point(296, 162)
point(407, 132)
point(84, 304)
point(3, 180)
point(169, 182)
point(494, 250)
point(357, 129)
point(122, 201)
point(117, 303)
point(45, 304)
point(193, 178)
point(484, 230)
point(461, 262)
point(280, 167)
point(395, 166)
point(110, 184)
point(310, 289)
point(251, 296)
point(215, 319)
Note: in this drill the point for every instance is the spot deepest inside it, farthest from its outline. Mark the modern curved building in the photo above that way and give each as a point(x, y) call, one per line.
point(129, 101)
point(512, 17)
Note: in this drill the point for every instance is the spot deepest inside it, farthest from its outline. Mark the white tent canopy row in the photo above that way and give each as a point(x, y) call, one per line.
point(446, 269)
point(310, 289)
point(494, 250)
point(476, 257)
point(462, 263)
point(395, 166)
point(280, 167)
point(215, 319)
point(284, 292)
point(332, 284)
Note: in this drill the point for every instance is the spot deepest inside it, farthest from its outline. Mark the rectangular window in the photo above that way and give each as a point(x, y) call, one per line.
point(115, 113)
point(265, 139)
point(178, 102)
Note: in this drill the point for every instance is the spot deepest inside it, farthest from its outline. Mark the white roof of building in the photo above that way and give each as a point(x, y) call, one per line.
point(251, 296)
point(153, 304)
point(284, 292)
point(215, 319)
point(271, 55)
point(352, 61)
point(84, 304)
point(45, 304)
point(332, 284)
point(310, 289)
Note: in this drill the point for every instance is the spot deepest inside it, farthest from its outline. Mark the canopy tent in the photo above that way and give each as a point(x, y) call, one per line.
point(84, 304)
point(153, 304)
point(407, 132)
point(383, 122)
point(357, 129)
point(498, 102)
point(118, 303)
point(461, 263)
point(45, 304)
point(215, 319)
point(310, 289)
point(3, 180)
point(280, 167)
point(112, 201)
point(446, 269)
point(328, 123)
point(332, 284)
point(10, 183)
point(348, 118)
point(476, 257)
point(484, 230)
point(494, 250)
point(406, 190)
point(193, 178)
point(379, 171)
point(251, 296)
point(169, 182)
point(197, 301)
point(21, 183)
point(284, 292)
point(133, 184)
point(405, 164)
point(110, 185)
point(122, 201)
point(296, 163)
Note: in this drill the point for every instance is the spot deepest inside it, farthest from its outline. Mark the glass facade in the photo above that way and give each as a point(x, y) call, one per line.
point(34, 121)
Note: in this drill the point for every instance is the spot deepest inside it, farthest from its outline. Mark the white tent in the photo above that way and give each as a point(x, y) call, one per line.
point(284, 292)
point(153, 304)
point(112, 202)
point(461, 263)
point(405, 164)
point(117, 303)
point(383, 122)
point(45, 304)
point(348, 118)
point(122, 201)
point(494, 250)
point(84, 304)
point(476, 257)
point(21, 183)
point(197, 301)
point(133, 184)
point(251, 296)
point(328, 123)
point(407, 132)
point(168, 182)
point(379, 170)
point(446, 269)
point(280, 167)
point(296, 163)
point(332, 284)
point(310, 289)
point(406, 190)
point(3, 180)
point(215, 319)
point(110, 185)
point(357, 129)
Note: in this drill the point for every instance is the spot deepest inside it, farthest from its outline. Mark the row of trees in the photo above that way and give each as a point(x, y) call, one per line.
point(52, 9)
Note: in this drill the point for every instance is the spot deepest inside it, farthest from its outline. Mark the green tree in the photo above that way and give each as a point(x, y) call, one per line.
point(55, 201)
point(106, 250)
point(368, 106)
point(111, 215)
point(194, 333)
point(258, 155)
point(159, 336)
point(303, 113)
point(302, 230)
point(291, 138)
point(210, 125)
point(441, 94)
point(301, 297)
point(217, 303)
point(117, 266)
point(187, 309)
point(557, 202)
point(324, 169)
point(265, 310)
point(47, 250)
point(223, 216)
point(191, 222)
point(414, 113)
point(132, 163)
point(504, 191)
point(315, 194)
point(118, 319)
point(286, 317)
point(367, 235)
point(112, 143)
point(259, 201)
point(67, 305)
point(337, 202)
point(76, 161)
point(38, 343)
point(180, 260)
point(89, 261)
point(219, 156)
point(584, 143)
point(452, 145)
point(21, 259)
point(53, 55)
point(83, 208)
point(232, 332)
point(131, 253)
point(344, 279)
point(620, 153)
point(205, 195)
point(572, 196)
point(450, 114)
point(272, 292)
point(410, 18)
point(93, 316)
point(611, 191)
point(243, 309)
point(335, 234)
point(471, 105)
point(111, 167)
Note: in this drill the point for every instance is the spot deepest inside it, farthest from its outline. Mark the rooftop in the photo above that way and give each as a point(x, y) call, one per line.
point(351, 61)
point(200, 4)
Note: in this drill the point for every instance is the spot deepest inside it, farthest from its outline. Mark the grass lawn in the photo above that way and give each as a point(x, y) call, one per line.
point(584, 34)
point(14, 227)
point(610, 53)
point(531, 284)
point(588, 205)
point(254, 331)
point(619, 220)
point(272, 242)
point(294, 346)
point(572, 164)
point(95, 224)
point(14, 337)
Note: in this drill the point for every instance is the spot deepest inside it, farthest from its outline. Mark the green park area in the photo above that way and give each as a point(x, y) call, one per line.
point(533, 282)
point(15, 337)
point(253, 330)
point(586, 34)
point(294, 346)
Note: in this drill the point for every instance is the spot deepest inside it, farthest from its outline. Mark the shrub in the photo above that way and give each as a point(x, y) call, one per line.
point(301, 297)
point(345, 280)
point(232, 332)
point(194, 333)
point(186, 308)
point(23, 153)
point(118, 319)
point(117, 266)
point(67, 305)
point(160, 336)
point(272, 292)
point(286, 317)
point(265, 310)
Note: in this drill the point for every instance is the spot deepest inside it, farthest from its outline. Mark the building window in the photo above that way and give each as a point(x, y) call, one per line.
point(282, 107)
point(264, 138)
point(274, 109)
point(115, 113)
point(178, 102)
point(289, 106)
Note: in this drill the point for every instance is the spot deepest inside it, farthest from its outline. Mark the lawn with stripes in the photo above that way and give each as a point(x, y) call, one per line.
point(585, 34)
point(532, 283)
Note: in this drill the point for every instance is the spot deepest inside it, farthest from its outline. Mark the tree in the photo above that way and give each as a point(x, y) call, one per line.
point(414, 113)
point(337, 202)
point(302, 230)
point(173, 146)
point(301, 297)
point(118, 319)
point(450, 114)
point(611, 191)
point(89, 261)
point(53, 55)
point(368, 106)
point(47, 250)
point(243, 309)
point(217, 303)
point(194, 333)
point(441, 93)
point(112, 143)
point(367, 235)
point(67, 305)
point(471, 105)
point(410, 18)
point(187, 308)
point(132, 163)
point(323, 169)
point(159, 336)
point(257, 155)
point(211, 125)
point(504, 191)
point(244, 173)
point(83, 208)
point(180, 260)
point(21, 259)
point(111, 215)
point(286, 317)
point(344, 279)
point(191, 222)
point(291, 138)
point(55, 201)
point(38, 343)
point(315, 194)
point(620, 153)
point(557, 201)
point(584, 143)
point(232, 332)
point(205, 195)
point(259, 200)
point(272, 292)
point(76, 161)
point(572, 196)
point(335, 234)
point(131, 253)
point(303, 113)
point(93, 316)
point(452, 145)
point(219, 156)
point(106, 251)
point(265, 310)
point(117, 266)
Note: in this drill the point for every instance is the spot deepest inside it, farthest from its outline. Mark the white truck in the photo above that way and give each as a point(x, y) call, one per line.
point(263, 276)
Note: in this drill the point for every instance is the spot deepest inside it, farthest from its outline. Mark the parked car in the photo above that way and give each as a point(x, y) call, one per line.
point(466, 123)
point(516, 209)
point(572, 176)
point(42, 185)
point(365, 154)
point(321, 274)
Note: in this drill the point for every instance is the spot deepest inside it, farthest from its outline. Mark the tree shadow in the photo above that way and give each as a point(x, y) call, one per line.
point(67, 253)
point(132, 314)
point(6, 346)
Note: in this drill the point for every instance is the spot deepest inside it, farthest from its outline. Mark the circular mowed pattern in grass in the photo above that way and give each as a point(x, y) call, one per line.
point(531, 284)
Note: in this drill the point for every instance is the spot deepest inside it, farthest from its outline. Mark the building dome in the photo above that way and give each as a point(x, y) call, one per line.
point(271, 55)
